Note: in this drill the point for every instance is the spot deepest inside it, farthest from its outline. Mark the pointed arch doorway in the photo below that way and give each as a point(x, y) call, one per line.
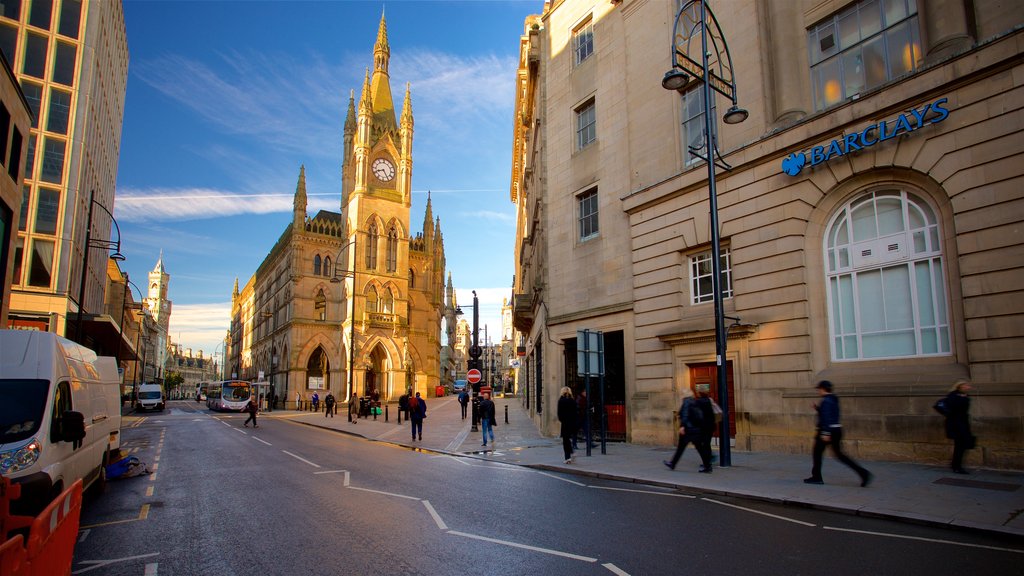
point(377, 382)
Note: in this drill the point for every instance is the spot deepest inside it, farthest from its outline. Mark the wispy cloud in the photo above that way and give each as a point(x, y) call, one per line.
point(202, 326)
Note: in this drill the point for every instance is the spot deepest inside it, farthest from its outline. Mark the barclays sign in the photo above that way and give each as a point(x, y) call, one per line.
point(932, 113)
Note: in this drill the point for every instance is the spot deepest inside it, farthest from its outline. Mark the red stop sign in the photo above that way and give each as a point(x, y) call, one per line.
point(473, 376)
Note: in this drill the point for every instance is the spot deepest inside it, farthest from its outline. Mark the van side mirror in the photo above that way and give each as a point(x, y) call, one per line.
point(72, 426)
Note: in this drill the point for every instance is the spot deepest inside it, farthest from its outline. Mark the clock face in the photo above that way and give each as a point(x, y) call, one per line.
point(383, 169)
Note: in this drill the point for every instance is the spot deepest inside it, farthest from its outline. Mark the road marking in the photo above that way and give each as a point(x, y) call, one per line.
point(615, 569)
point(151, 569)
point(562, 479)
point(345, 472)
point(155, 466)
point(643, 491)
point(101, 563)
point(300, 458)
point(152, 477)
point(144, 513)
point(459, 438)
point(261, 440)
point(759, 512)
point(149, 491)
point(384, 493)
point(525, 546)
point(935, 540)
point(435, 515)
point(85, 534)
point(239, 430)
point(156, 458)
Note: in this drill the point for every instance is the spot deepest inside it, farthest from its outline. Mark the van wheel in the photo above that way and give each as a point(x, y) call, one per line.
point(99, 485)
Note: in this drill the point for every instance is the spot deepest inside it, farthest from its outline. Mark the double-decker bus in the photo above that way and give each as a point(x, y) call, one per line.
point(228, 395)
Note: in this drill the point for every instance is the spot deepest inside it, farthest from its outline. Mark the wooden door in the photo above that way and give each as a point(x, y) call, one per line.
point(702, 375)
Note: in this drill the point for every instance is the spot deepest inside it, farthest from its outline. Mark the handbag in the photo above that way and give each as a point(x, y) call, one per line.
point(940, 407)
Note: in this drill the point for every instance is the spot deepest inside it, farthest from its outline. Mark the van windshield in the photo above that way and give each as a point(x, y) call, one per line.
point(153, 395)
point(21, 408)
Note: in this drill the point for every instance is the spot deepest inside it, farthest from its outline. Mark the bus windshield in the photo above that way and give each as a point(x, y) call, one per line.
point(236, 391)
point(21, 412)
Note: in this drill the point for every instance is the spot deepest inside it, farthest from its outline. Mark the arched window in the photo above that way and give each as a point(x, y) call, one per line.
point(327, 266)
point(371, 247)
point(392, 252)
point(388, 302)
point(316, 265)
point(320, 305)
point(886, 286)
point(371, 299)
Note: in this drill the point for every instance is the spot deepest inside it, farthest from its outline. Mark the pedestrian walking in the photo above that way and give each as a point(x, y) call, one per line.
point(692, 430)
point(487, 417)
point(298, 401)
point(956, 407)
point(329, 405)
point(464, 402)
point(316, 402)
point(353, 407)
point(830, 433)
point(417, 412)
point(252, 409)
point(567, 413)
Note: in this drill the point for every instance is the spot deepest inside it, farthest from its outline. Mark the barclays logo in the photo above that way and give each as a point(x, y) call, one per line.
point(932, 113)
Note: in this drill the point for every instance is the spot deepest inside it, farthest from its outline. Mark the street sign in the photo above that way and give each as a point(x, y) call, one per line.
point(473, 376)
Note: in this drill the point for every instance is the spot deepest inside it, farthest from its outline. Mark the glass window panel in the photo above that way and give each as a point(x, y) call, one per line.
point(26, 196)
point(848, 311)
point(831, 260)
point(35, 55)
point(41, 13)
point(895, 10)
point(830, 89)
point(34, 96)
point(933, 232)
point(900, 50)
point(60, 110)
point(19, 252)
point(944, 339)
point(914, 217)
point(851, 347)
point(64, 64)
point(940, 290)
point(844, 258)
point(929, 341)
point(41, 268)
point(11, 9)
point(925, 304)
point(53, 161)
point(47, 209)
point(849, 30)
point(853, 72)
point(30, 157)
point(920, 245)
point(874, 62)
point(888, 344)
point(896, 284)
point(837, 317)
point(827, 42)
point(9, 41)
point(843, 234)
point(864, 222)
point(890, 215)
point(70, 17)
point(870, 18)
point(870, 300)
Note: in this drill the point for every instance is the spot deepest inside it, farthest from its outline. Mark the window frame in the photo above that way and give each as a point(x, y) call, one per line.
point(588, 223)
point(694, 262)
point(583, 41)
point(585, 128)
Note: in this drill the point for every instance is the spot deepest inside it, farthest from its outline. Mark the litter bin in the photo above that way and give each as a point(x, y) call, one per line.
point(439, 391)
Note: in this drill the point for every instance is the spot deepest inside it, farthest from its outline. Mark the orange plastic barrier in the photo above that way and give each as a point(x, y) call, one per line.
point(10, 491)
point(51, 541)
point(13, 559)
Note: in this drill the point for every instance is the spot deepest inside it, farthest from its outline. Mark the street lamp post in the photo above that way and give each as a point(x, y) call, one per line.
point(474, 356)
point(91, 242)
point(352, 318)
point(714, 75)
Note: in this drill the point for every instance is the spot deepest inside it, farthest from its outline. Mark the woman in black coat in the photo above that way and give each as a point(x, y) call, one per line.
point(567, 416)
point(958, 423)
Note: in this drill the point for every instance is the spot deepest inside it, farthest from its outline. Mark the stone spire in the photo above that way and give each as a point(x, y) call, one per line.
point(428, 222)
point(381, 50)
point(383, 105)
point(159, 263)
point(299, 204)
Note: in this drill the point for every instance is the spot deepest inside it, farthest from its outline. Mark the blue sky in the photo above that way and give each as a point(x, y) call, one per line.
point(227, 99)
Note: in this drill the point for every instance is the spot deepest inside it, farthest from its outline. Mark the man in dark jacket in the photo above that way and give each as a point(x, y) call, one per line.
point(958, 423)
point(464, 401)
point(691, 430)
point(567, 412)
point(487, 417)
point(252, 409)
point(830, 433)
point(329, 405)
point(417, 412)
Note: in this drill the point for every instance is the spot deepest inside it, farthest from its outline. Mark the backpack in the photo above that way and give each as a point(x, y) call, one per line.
point(941, 407)
point(414, 404)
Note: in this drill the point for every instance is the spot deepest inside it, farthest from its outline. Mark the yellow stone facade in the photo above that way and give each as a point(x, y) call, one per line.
point(360, 273)
point(793, 319)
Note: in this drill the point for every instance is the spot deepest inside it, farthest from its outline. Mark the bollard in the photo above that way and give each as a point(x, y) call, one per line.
point(386, 412)
point(506, 413)
point(399, 415)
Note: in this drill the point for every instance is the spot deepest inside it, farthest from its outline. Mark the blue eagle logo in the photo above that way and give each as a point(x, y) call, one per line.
point(794, 163)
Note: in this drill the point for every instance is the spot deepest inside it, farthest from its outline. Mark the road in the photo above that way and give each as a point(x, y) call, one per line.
point(292, 499)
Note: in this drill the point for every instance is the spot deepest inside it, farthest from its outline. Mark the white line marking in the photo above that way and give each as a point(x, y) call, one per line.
point(384, 493)
point(435, 515)
point(85, 534)
point(151, 569)
point(643, 491)
point(240, 430)
point(1015, 551)
point(459, 460)
point(101, 563)
point(562, 479)
point(525, 546)
point(330, 471)
point(759, 512)
point(615, 569)
point(261, 440)
point(301, 459)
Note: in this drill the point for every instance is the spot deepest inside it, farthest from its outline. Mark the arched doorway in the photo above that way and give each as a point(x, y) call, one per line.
point(378, 373)
point(318, 370)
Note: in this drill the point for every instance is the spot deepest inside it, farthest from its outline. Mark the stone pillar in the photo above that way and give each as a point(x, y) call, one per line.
point(787, 67)
point(945, 27)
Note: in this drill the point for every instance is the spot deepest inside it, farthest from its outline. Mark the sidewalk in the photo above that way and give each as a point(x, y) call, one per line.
point(989, 500)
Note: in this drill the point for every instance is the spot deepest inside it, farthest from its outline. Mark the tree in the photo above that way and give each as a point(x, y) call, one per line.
point(172, 381)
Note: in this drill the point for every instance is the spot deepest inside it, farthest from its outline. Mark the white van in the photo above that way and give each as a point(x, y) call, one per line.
point(60, 415)
point(151, 397)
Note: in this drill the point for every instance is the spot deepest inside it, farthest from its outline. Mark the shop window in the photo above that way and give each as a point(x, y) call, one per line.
point(586, 124)
point(886, 283)
point(862, 47)
point(702, 276)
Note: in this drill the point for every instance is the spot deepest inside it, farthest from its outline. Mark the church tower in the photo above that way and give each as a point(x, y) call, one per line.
point(160, 309)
